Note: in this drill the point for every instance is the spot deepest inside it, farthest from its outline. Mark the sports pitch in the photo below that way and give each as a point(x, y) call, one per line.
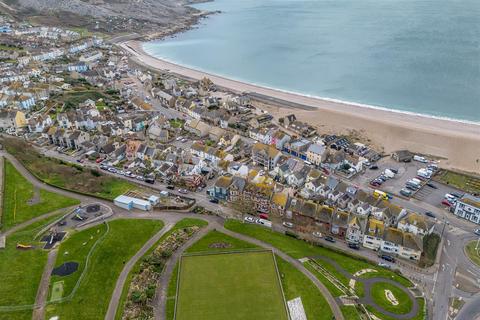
point(234, 286)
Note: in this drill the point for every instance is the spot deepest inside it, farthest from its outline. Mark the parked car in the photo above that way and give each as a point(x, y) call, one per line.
point(430, 214)
point(355, 246)
point(447, 203)
point(456, 195)
point(431, 185)
point(477, 231)
point(170, 187)
point(263, 216)
point(388, 258)
point(249, 219)
point(214, 200)
point(384, 265)
point(329, 239)
point(183, 191)
point(406, 192)
point(287, 224)
point(317, 234)
point(374, 167)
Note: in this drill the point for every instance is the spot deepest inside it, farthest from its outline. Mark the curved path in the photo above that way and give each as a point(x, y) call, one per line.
point(122, 278)
point(368, 283)
point(160, 301)
point(167, 217)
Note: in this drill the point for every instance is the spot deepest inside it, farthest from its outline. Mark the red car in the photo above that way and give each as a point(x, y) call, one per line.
point(447, 203)
point(263, 216)
point(99, 160)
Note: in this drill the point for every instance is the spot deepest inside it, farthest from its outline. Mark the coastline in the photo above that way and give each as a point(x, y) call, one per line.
point(457, 141)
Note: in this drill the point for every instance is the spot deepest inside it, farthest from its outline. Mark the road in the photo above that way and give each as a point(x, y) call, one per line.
point(169, 219)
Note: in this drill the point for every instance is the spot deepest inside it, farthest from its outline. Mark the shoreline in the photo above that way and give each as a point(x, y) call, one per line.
point(456, 140)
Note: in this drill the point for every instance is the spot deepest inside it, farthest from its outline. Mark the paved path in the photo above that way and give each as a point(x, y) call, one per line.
point(122, 278)
point(213, 221)
point(297, 264)
point(368, 283)
point(160, 301)
point(42, 292)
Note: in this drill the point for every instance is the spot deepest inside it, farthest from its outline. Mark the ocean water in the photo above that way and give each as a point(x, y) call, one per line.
point(420, 56)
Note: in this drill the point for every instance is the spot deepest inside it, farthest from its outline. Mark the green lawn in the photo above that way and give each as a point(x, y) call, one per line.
point(18, 191)
point(378, 294)
point(21, 270)
point(75, 249)
point(421, 315)
point(171, 292)
point(16, 315)
point(350, 313)
point(213, 238)
point(249, 287)
point(473, 254)
point(296, 284)
point(66, 175)
point(300, 249)
point(184, 223)
point(122, 241)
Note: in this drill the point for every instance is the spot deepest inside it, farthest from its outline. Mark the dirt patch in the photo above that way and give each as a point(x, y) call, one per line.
point(65, 269)
point(220, 245)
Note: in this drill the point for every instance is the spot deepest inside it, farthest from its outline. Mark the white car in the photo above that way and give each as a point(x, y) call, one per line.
point(384, 265)
point(317, 234)
point(249, 220)
point(477, 232)
point(287, 224)
point(184, 191)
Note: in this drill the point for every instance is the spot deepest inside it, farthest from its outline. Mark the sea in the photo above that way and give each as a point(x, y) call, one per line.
point(414, 56)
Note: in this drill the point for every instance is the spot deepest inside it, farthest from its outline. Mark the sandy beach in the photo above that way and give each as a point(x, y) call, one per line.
point(457, 142)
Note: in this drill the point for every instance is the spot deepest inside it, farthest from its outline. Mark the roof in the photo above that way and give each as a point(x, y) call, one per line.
point(263, 148)
point(412, 241)
point(280, 199)
point(126, 199)
point(375, 228)
point(340, 218)
point(223, 182)
point(471, 200)
point(394, 235)
point(316, 148)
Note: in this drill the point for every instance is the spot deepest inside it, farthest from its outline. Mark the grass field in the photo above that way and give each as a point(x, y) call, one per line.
point(184, 223)
point(67, 176)
point(21, 270)
point(473, 254)
point(461, 181)
point(378, 294)
point(18, 191)
point(300, 249)
point(123, 240)
point(249, 288)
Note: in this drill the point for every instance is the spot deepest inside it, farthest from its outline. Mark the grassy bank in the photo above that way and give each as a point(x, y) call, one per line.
point(66, 175)
point(22, 202)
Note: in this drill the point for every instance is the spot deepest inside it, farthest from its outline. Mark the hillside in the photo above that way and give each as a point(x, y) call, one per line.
point(109, 16)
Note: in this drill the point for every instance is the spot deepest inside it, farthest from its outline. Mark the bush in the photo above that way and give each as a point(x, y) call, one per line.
point(95, 173)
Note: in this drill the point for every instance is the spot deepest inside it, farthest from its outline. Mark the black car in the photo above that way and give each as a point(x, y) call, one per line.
point(354, 246)
point(329, 239)
point(388, 258)
point(431, 185)
point(171, 187)
point(456, 195)
point(374, 167)
point(214, 200)
point(430, 214)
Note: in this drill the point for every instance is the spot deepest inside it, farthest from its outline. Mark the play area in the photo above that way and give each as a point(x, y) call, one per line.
point(65, 269)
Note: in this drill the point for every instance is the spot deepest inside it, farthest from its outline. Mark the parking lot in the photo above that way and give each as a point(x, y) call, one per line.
point(434, 196)
point(405, 172)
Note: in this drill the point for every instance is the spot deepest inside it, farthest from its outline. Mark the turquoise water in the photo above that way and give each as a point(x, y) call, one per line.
point(417, 56)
